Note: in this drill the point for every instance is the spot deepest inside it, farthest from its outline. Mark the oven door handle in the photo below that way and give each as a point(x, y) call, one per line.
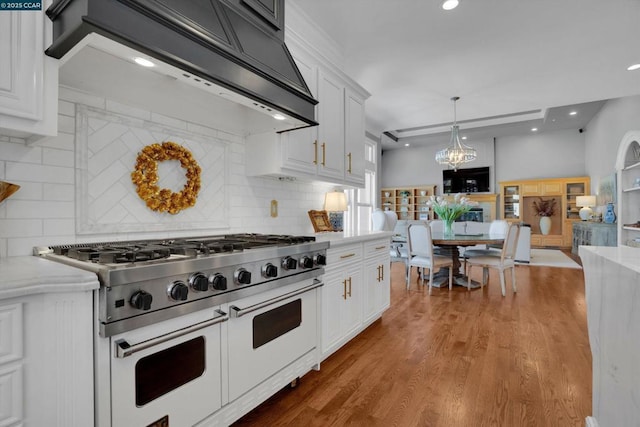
point(239, 312)
point(124, 349)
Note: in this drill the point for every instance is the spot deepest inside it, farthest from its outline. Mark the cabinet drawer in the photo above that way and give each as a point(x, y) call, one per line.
point(343, 255)
point(553, 241)
point(531, 189)
point(10, 333)
point(377, 247)
point(549, 188)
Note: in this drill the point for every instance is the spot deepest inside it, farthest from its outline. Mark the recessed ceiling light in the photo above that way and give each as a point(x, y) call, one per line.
point(633, 67)
point(407, 144)
point(573, 113)
point(279, 116)
point(464, 137)
point(449, 4)
point(143, 61)
point(534, 129)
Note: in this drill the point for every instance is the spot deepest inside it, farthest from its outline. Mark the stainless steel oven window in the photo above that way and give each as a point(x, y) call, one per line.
point(166, 370)
point(277, 322)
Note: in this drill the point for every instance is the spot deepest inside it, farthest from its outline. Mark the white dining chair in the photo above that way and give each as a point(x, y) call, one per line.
point(498, 228)
point(421, 254)
point(503, 262)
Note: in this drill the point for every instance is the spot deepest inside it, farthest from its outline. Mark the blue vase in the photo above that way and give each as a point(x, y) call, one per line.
point(609, 215)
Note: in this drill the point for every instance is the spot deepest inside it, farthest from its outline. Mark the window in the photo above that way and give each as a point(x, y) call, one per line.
point(363, 200)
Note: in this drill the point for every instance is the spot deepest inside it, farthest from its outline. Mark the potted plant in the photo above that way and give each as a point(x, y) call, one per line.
point(544, 209)
point(450, 210)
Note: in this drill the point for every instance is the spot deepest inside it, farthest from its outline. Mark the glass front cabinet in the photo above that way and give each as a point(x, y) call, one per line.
point(510, 206)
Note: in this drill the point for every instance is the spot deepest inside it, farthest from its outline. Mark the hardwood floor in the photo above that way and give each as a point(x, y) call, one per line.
point(455, 358)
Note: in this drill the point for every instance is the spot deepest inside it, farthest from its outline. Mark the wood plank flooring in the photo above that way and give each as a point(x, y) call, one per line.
point(455, 358)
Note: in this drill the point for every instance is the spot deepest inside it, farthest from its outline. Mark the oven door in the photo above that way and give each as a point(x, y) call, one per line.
point(269, 331)
point(169, 373)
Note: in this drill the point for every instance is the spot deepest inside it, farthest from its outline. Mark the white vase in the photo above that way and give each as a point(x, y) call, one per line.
point(545, 225)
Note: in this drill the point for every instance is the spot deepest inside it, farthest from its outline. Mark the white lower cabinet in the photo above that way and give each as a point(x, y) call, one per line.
point(355, 291)
point(377, 289)
point(341, 297)
point(46, 360)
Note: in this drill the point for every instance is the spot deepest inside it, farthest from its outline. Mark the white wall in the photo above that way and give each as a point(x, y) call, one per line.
point(603, 135)
point(417, 166)
point(43, 211)
point(540, 155)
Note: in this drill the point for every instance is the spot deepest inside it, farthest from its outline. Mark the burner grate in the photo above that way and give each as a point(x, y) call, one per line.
point(152, 250)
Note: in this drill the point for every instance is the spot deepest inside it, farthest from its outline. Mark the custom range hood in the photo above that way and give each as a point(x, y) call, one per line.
point(230, 48)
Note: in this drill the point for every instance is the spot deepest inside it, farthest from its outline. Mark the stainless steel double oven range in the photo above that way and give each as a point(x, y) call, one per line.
point(189, 330)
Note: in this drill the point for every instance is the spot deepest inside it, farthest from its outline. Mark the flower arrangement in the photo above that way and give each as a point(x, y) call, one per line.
point(450, 210)
point(544, 207)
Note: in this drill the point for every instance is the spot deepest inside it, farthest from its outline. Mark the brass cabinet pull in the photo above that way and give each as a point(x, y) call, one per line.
point(349, 285)
point(380, 247)
point(349, 168)
point(344, 286)
point(382, 273)
point(324, 152)
point(315, 152)
point(347, 256)
point(378, 278)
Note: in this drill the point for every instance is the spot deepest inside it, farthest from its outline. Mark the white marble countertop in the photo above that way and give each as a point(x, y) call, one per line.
point(337, 239)
point(626, 256)
point(29, 275)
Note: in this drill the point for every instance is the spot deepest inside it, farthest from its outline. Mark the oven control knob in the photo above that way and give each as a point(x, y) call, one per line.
point(289, 263)
point(199, 282)
point(306, 262)
point(141, 300)
point(320, 259)
point(242, 276)
point(269, 270)
point(178, 291)
point(218, 282)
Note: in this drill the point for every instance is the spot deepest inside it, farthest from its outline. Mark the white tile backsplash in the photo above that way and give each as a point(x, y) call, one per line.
point(19, 152)
point(55, 157)
point(38, 173)
point(62, 200)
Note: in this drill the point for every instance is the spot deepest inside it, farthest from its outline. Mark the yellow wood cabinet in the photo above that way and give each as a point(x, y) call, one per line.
point(408, 202)
point(517, 204)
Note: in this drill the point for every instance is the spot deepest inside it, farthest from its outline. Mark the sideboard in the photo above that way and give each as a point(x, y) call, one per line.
point(593, 234)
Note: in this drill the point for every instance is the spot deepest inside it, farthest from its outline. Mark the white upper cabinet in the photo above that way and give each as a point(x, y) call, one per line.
point(28, 78)
point(333, 151)
point(331, 128)
point(354, 139)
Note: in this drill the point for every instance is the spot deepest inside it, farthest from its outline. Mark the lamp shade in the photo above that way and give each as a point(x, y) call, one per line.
point(582, 201)
point(335, 201)
point(585, 202)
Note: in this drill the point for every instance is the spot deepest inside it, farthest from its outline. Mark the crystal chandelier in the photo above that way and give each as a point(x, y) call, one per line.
point(457, 153)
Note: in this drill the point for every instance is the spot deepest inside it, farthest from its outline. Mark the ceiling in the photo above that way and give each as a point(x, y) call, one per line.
point(515, 64)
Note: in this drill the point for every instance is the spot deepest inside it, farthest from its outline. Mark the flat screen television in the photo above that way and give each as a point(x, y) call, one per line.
point(470, 180)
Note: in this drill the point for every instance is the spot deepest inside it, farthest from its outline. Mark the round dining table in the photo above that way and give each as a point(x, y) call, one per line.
point(449, 245)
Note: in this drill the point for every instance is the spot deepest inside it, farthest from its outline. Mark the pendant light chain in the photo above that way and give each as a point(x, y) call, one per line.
point(457, 153)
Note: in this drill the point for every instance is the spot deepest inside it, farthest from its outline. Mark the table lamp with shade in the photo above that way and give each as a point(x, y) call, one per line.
point(585, 202)
point(335, 203)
